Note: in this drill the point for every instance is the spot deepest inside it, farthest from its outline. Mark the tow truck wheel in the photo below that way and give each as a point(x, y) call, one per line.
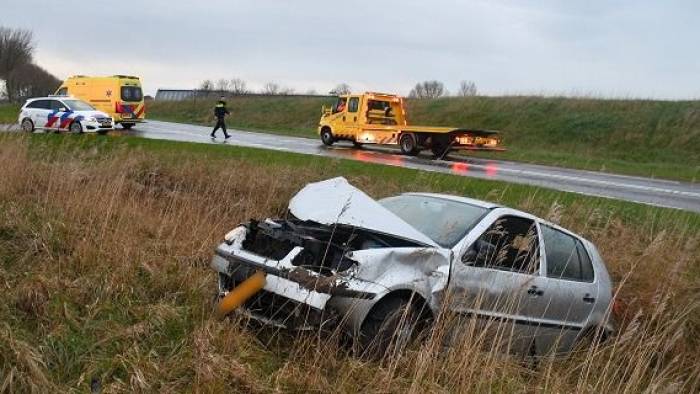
point(127, 126)
point(327, 137)
point(357, 145)
point(27, 125)
point(408, 144)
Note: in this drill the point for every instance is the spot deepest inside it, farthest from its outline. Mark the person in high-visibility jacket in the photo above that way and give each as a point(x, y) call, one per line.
point(220, 113)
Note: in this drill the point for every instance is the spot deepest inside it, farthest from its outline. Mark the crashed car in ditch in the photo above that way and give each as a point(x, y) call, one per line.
point(343, 259)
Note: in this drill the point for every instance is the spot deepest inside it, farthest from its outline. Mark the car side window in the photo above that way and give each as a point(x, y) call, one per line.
point(62, 91)
point(566, 256)
point(354, 104)
point(56, 105)
point(39, 104)
point(510, 244)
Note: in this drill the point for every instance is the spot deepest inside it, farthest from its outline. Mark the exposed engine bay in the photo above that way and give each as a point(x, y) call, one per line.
point(325, 248)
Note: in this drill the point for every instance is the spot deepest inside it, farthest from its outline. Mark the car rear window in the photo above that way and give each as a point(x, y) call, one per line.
point(131, 93)
point(566, 256)
point(39, 104)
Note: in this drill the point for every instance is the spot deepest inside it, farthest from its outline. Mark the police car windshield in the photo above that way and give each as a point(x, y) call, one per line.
point(77, 105)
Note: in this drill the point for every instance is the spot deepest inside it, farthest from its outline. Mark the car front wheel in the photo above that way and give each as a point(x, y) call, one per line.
point(27, 126)
point(390, 327)
point(76, 127)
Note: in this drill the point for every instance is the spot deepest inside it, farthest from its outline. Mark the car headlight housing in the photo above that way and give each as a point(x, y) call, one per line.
point(92, 119)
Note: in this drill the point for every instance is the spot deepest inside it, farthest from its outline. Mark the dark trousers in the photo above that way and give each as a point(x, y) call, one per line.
point(220, 124)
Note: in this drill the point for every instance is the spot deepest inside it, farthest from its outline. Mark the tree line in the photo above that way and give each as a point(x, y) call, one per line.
point(238, 87)
point(21, 76)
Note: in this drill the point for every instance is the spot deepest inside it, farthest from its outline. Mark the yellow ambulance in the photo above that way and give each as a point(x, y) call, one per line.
point(120, 96)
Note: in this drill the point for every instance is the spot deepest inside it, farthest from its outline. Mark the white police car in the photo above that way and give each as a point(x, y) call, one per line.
point(63, 113)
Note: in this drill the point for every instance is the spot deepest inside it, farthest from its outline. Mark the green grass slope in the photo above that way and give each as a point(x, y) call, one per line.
point(636, 137)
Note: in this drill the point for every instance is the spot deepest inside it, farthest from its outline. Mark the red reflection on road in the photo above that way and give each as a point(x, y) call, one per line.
point(460, 168)
point(491, 169)
point(372, 158)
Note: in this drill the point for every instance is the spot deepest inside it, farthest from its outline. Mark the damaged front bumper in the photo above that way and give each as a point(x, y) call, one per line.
point(292, 296)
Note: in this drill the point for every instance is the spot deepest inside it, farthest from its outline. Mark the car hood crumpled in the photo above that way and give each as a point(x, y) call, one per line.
point(337, 201)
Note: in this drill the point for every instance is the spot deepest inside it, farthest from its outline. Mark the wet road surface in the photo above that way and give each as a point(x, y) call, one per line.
point(666, 193)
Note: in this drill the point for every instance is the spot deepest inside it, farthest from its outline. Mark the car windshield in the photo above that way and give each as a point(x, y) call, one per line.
point(77, 105)
point(444, 221)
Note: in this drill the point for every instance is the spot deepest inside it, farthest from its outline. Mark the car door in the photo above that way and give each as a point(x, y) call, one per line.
point(59, 115)
point(40, 110)
point(567, 291)
point(352, 120)
point(490, 281)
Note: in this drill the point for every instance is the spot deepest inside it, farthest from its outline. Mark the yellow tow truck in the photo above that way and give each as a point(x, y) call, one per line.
point(379, 118)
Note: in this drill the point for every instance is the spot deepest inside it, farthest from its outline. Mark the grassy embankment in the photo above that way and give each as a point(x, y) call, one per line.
point(104, 250)
point(8, 113)
point(635, 137)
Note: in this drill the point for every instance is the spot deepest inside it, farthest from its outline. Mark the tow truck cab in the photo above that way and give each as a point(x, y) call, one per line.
point(379, 118)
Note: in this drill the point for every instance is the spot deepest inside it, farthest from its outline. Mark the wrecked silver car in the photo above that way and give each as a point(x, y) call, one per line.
point(342, 259)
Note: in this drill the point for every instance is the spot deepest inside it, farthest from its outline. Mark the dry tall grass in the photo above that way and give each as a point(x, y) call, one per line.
point(104, 269)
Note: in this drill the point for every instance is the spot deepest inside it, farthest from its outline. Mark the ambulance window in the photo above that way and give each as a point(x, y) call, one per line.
point(354, 104)
point(131, 93)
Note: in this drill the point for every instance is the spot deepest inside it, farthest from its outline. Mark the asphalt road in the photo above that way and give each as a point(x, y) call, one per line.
point(666, 193)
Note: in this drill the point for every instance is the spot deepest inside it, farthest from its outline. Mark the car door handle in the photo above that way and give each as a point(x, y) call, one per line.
point(535, 291)
point(343, 118)
point(354, 119)
point(588, 298)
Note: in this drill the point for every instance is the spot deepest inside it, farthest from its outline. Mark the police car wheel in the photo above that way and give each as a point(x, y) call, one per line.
point(27, 125)
point(75, 127)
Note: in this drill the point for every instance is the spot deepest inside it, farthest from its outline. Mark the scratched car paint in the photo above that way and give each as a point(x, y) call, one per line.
point(343, 259)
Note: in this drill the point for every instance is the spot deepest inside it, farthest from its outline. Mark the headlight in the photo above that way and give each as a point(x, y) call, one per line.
point(92, 119)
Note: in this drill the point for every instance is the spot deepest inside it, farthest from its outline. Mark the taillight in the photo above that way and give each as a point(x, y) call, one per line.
point(118, 107)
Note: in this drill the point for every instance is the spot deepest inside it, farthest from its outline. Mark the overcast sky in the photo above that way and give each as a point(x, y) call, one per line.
point(600, 47)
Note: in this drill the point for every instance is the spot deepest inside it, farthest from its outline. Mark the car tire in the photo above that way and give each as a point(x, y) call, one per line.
point(389, 327)
point(75, 127)
point(127, 126)
point(408, 144)
point(27, 125)
point(327, 136)
point(357, 145)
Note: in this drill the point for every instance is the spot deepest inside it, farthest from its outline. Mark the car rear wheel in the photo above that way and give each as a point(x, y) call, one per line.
point(27, 126)
point(75, 127)
point(389, 327)
point(408, 144)
point(327, 137)
point(127, 126)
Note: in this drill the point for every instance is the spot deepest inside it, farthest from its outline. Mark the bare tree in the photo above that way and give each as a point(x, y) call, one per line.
point(222, 85)
point(467, 89)
point(428, 89)
point(287, 91)
point(16, 47)
point(340, 89)
point(238, 87)
point(206, 87)
point(271, 88)
point(29, 80)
